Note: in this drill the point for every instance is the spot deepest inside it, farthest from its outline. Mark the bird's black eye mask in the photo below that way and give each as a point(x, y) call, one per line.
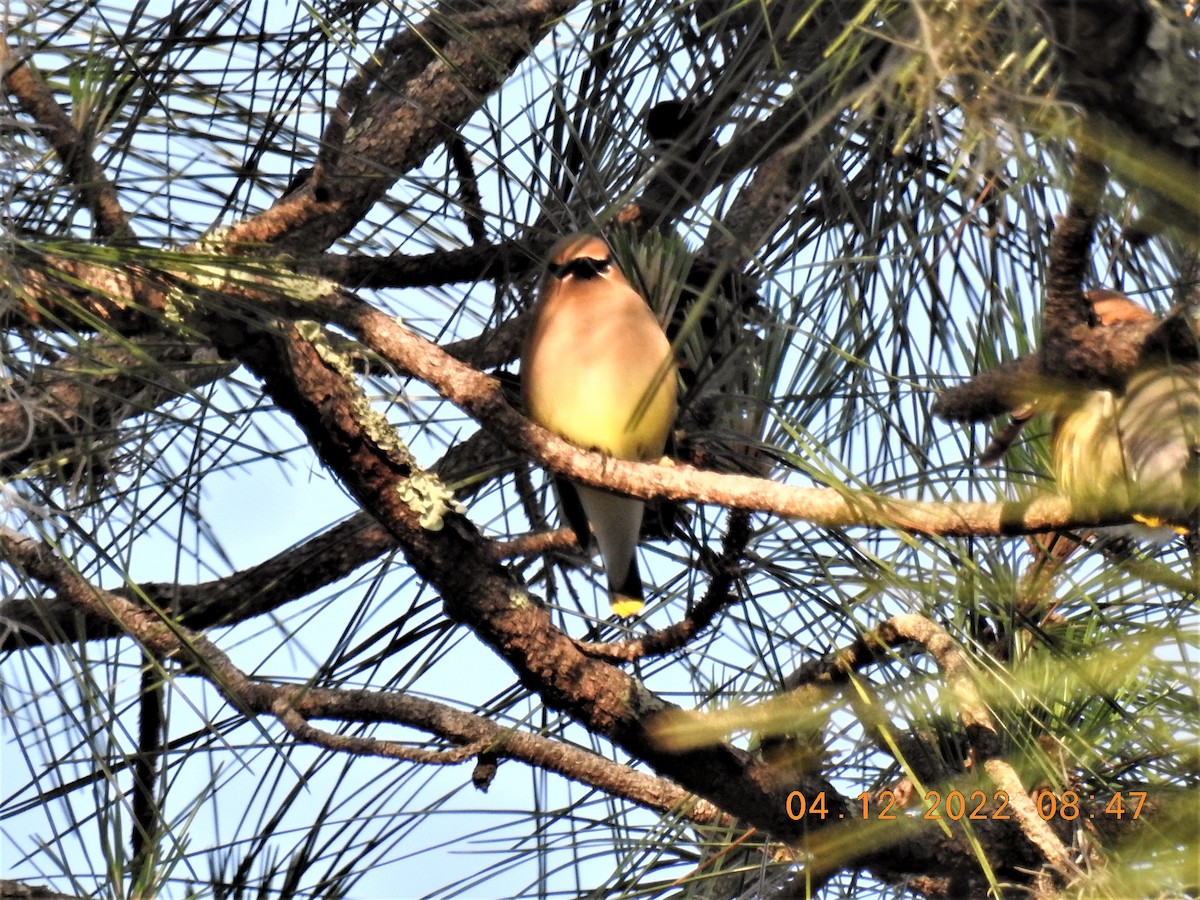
point(584, 267)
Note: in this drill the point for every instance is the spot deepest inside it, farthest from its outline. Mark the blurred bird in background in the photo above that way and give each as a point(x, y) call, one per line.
point(597, 370)
point(1136, 451)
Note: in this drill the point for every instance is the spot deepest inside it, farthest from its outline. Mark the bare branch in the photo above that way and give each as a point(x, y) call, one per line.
point(504, 261)
point(295, 707)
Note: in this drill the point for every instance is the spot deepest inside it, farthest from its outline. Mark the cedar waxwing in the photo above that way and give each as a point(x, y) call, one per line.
point(1107, 308)
point(1138, 450)
point(597, 370)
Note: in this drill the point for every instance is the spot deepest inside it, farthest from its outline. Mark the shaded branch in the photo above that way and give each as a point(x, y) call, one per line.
point(720, 594)
point(294, 707)
point(224, 601)
point(146, 822)
point(17, 890)
point(1133, 64)
point(1067, 322)
point(1077, 352)
point(468, 189)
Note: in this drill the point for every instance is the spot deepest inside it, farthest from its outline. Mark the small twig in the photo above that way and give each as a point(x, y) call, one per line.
point(535, 544)
point(719, 595)
point(299, 728)
point(468, 189)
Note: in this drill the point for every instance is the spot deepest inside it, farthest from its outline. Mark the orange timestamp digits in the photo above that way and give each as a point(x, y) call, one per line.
point(1067, 806)
point(956, 805)
point(798, 806)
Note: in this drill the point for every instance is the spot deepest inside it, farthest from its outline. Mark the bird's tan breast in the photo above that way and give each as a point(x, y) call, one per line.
point(593, 372)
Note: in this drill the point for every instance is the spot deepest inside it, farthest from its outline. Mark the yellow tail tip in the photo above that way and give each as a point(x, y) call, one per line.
point(1159, 522)
point(625, 607)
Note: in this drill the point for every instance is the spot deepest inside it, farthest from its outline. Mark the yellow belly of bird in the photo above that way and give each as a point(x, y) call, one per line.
point(621, 404)
point(1089, 463)
point(1135, 453)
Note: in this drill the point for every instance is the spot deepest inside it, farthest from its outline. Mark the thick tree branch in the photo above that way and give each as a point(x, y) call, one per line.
point(251, 592)
point(455, 560)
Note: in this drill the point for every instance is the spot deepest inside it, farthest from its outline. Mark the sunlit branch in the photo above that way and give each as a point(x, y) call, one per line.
point(481, 397)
